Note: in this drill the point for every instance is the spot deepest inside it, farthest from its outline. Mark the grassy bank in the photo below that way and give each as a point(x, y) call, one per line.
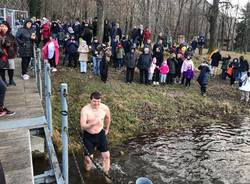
point(137, 108)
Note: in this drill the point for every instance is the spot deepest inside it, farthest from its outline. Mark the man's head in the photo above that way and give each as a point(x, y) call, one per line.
point(95, 98)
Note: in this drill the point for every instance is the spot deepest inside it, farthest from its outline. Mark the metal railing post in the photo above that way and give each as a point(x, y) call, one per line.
point(65, 167)
point(35, 64)
point(39, 73)
point(47, 96)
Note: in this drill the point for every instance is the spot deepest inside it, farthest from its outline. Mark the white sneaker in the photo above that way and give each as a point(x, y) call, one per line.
point(25, 77)
point(157, 83)
point(54, 70)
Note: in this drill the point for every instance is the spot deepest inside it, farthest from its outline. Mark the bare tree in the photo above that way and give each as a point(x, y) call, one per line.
point(214, 12)
point(181, 6)
point(100, 18)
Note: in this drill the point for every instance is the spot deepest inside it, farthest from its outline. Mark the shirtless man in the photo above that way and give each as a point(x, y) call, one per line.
point(93, 117)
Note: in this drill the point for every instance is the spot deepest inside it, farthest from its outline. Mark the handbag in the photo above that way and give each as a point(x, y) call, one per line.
point(230, 71)
point(3, 58)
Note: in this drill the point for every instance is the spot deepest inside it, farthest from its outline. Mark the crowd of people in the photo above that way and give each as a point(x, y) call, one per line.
point(76, 42)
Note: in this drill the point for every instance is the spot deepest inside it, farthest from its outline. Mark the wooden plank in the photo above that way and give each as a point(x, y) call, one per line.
point(23, 98)
point(15, 156)
point(30, 123)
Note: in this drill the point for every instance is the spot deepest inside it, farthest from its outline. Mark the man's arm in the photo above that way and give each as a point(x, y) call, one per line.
point(107, 121)
point(83, 121)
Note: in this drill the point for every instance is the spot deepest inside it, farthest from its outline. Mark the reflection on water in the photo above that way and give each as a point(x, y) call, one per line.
point(215, 154)
point(219, 153)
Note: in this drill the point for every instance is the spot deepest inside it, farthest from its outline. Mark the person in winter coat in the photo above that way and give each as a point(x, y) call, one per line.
point(8, 41)
point(243, 68)
point(51, 53)
point(45, 31)
point(163, 72)
point(96, 63)
point(187, 69)
point(25, 37)
point(151, 70)
point(224, 66)
point(235, 64)
point(203, 77)
point(178, 67)
point(104, 64)
point(158, 54)
point(72, 50)
point(87, 34)
point(106, 33)
point(119, 55)
point(146, 35)
point(245, 87)
point(215, 59)
point(130, 63)
point(172, 62)
point(83, 51)
point(143, 65)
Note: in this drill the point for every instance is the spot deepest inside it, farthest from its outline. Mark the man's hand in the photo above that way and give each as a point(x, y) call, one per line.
point(106, 131)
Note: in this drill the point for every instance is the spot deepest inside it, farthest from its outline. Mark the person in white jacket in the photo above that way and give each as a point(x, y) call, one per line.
point(83, 55)
point(245, 87)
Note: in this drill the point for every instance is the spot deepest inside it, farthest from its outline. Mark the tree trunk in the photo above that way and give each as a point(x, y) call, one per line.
point(181, 5)
point(190, 20)
point(213, 26)
point(100, 19)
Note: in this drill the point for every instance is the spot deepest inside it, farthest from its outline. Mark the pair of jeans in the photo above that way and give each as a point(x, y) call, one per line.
point(83, 66)
point(150, 76)
point(2, 92)
point(96, 65)
point(163, 78)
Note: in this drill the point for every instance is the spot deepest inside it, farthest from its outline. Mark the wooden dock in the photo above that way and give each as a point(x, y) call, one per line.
point(15, 141)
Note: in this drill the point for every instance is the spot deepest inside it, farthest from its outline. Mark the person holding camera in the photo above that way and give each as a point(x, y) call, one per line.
point(25, 37)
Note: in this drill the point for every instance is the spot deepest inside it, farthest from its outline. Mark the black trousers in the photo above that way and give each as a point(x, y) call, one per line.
point(156, 76)
point(73, 58)
point(203, 88)
point(52, 62)
point(25, 64)
point(144, 76)
point(130, 74)
point(188, 82)
point(170, 78)
point(2, 92)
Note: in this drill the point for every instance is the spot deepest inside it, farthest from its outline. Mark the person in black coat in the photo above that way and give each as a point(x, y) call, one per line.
point(130, 63)
point(9, 42)
point(144, 63)
point(215, 59)
point(25, 37)
point(106, 33)
point(244, 67)
point(72, 47)
point(235, 64)
point(203, 77)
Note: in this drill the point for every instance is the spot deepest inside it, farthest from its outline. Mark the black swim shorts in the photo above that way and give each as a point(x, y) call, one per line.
point(92, 141)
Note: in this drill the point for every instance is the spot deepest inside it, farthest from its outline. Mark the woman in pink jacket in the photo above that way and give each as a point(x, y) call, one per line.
point(51, 53)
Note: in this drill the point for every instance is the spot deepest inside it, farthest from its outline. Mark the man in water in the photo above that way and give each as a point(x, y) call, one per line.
point(93, 117)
